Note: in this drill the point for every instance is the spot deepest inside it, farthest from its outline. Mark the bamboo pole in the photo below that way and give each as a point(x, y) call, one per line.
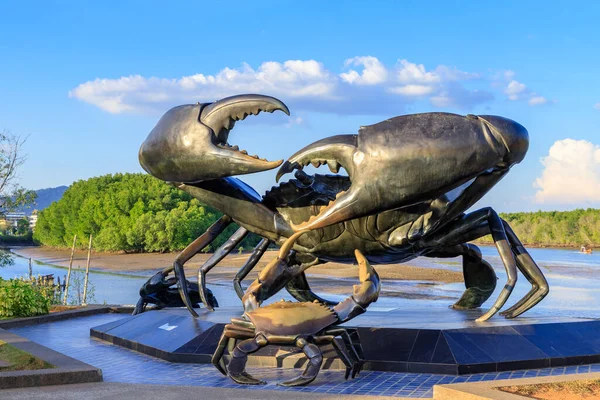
point(87, 272)
point(69, 272)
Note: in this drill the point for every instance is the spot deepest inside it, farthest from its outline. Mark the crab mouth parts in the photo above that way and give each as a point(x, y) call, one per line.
point(313, 193)
point(337, 152)
point(319, 190)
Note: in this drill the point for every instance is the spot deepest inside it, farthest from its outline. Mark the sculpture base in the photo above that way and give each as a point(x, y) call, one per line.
point(428, 340)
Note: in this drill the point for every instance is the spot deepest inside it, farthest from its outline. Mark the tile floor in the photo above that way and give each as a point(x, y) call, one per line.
point(71, 337)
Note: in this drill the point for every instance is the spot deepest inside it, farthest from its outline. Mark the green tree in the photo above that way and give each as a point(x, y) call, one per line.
point(556, 228)
point(22, 226)
point(128, 212)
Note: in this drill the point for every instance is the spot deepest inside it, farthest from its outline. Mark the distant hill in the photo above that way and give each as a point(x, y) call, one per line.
point(44, 198)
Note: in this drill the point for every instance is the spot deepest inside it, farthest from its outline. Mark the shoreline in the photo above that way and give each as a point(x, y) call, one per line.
point(146, 264)
point(541, 246)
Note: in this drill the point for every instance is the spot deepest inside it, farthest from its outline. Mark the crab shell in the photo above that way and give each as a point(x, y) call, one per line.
point(295, 319)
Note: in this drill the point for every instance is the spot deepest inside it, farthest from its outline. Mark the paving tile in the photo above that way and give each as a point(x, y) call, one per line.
point(71, 337)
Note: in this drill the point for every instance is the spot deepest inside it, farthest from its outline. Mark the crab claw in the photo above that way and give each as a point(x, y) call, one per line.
point(364, 294)
point(273, 277)
point(189, 143)
point(409, 159)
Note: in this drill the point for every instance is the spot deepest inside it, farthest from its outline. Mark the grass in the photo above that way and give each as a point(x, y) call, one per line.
point(580, 388)
point(20, 360)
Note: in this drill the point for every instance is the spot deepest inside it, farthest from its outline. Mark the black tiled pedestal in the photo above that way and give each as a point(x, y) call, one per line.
point(434, 340)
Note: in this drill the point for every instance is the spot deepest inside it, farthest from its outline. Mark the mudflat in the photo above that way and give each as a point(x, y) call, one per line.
point(145, 264)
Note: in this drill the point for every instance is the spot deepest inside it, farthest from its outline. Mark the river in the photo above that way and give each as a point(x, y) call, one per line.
point(574, 280)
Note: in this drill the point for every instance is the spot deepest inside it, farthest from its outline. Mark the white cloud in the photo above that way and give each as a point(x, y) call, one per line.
point(412, 73)
point(571, 173)
point(515, 90)
point(303, 84)
point(417, 81)
point(468, 98)
point(536, 100)
point(412, 90)
point(454, 74)
point(597, 106)
point(293, 78)
point(509, 75)
point(374, 71)
point(295, 121)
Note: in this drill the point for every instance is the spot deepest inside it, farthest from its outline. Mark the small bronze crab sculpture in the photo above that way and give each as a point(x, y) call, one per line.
point(410, 181)
point(305, 325)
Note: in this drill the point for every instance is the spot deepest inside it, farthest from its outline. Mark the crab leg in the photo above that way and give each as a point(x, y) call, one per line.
point(237, 366)
point(254, 258)
point(218, 354)
point(473, 193)
point(315, 360)
point(238, 329)
point(364, 294)
point(140, 307)
point(344, 357)
point(355, 359)
point(190, 251)
point(298, 286)
point(473, 226)
point(531, 271)
point(216, 258)
point(480, 278)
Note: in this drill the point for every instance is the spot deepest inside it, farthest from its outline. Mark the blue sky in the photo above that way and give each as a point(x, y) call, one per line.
point(88, 81)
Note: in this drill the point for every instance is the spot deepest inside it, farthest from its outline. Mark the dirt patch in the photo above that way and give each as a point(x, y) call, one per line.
point(573, 390)
point(59, 308)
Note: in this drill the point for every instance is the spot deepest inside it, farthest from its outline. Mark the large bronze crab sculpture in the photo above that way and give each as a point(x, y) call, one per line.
point(305, 325)
point(410, 181)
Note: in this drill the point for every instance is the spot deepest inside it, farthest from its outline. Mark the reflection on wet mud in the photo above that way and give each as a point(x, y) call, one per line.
point(574, 280)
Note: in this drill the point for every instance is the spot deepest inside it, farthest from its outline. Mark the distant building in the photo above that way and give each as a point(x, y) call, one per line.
point(33, 219)
point(13, 218)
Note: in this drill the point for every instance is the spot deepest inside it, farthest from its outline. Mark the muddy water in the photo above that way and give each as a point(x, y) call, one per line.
point(574, 281)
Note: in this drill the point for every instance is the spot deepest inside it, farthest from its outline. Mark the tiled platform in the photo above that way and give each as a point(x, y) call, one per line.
point(72, 338)
point(433, 340)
